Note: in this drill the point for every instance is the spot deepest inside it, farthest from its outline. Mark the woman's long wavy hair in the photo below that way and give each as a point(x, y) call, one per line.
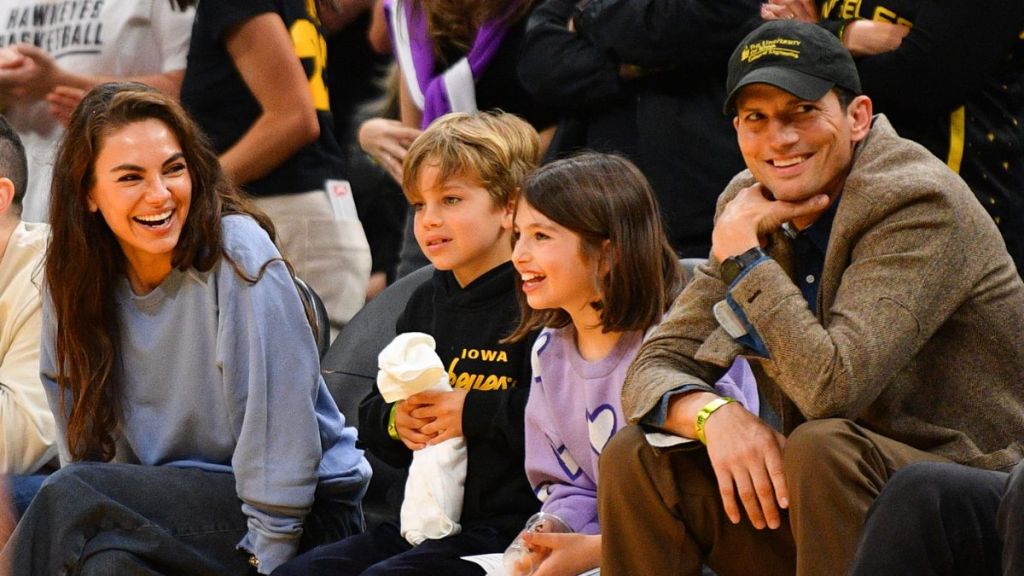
point(84, 261)
point(452, 24)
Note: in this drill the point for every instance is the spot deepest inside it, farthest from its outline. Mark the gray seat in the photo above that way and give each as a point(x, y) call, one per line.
point(689, 264)
point(350, 370)
point(317, 313)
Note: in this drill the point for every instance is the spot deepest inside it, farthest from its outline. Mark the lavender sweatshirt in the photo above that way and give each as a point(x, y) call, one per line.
point(574, 409)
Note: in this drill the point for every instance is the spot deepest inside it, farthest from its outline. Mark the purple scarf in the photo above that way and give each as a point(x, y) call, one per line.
point(436, 100)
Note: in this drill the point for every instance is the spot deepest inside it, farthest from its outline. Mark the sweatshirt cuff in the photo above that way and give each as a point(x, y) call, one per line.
point(269, 551)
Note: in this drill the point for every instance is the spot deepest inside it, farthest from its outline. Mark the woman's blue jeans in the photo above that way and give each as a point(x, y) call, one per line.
point(99, 518)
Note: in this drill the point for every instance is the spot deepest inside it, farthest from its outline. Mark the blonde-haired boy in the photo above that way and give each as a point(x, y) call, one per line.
point(461, 176)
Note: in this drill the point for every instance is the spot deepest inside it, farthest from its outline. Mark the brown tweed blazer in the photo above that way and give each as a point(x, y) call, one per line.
point(919, 334)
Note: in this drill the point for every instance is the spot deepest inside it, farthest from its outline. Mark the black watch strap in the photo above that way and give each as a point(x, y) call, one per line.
point(733, 265)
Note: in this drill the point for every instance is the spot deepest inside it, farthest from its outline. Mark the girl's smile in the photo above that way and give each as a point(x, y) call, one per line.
point(555, 268)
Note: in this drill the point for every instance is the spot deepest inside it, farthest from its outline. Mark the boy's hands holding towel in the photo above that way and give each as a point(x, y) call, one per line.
point(430, 417)
point(409, 427)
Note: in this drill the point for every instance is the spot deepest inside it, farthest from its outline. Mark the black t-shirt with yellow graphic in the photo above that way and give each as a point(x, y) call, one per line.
point(215, 94)
point(955, 85)
point(467, 324)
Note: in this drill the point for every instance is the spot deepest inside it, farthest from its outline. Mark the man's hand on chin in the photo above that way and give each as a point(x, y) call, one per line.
point(753, 214)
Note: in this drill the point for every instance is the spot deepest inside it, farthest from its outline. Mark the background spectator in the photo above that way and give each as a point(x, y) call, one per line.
point(357, 82)
point(54, 45)
point(453, 55)
point(645, 78)
point(949, 76)
point(27, 432)
point(255, 84)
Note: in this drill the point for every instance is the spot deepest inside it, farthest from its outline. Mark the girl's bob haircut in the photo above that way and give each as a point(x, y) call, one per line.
point(606, 200)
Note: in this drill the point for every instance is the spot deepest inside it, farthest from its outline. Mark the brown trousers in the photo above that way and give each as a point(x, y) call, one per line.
point(661, 512)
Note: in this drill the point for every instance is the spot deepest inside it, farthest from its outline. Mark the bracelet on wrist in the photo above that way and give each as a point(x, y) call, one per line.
point(706, 412)
point(392, 430)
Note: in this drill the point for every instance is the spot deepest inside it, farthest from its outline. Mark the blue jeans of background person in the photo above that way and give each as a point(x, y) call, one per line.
point(936, 518)
point(98, 518)
point(382, 551)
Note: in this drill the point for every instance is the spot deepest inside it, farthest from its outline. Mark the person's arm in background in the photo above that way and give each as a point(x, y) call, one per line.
point(387, 140)
point(948, 51)
point(377, 35)
point(36, 73)
point(409, 113)
point(691, 36)
point(264, 55)
point(31, 73)
point(26, 423)
point(580, 75)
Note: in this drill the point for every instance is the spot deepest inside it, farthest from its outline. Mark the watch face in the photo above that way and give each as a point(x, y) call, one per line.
point(730, 270)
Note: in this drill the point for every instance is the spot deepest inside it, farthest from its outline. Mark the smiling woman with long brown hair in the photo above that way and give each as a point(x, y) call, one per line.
point(175, 345)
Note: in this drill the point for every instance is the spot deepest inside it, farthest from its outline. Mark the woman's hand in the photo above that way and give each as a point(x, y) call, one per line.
point(868, 38)
point(803, 10)
point(387, 142)
point(564, 554)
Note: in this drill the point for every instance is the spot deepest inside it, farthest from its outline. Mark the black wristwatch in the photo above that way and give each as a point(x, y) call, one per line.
point(733, 265)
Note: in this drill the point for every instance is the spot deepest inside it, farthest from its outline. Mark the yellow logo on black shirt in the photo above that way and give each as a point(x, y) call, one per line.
point(480, 381)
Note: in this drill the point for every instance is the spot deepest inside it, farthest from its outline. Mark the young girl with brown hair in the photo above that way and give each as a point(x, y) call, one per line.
point(595, 272)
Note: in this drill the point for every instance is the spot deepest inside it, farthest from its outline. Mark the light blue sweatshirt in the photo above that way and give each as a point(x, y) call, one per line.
point(223, 375)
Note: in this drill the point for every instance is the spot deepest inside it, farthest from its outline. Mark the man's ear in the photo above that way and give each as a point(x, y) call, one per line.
point(6, 195)
point(860, 112)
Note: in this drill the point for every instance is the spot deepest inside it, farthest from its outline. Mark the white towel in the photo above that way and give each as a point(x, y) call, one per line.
point(434, 489)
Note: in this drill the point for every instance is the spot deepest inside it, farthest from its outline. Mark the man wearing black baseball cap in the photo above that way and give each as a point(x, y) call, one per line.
point(877, 303)
point(805, 61)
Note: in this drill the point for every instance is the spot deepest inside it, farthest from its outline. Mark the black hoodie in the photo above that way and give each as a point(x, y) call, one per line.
point(467, 324)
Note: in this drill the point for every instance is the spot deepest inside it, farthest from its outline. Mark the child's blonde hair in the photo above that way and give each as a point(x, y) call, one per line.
point(496, 149)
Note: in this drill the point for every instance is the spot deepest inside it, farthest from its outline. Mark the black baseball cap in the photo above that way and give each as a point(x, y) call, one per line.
point(801, 58)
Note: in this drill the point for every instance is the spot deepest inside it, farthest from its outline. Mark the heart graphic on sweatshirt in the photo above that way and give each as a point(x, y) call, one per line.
point(566, 461)
point(542, 342)
point(543, 491)
point(601, 424)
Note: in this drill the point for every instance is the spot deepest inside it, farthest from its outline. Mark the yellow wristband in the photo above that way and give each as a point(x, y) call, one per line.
point(392, 431)
point(706, 412)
